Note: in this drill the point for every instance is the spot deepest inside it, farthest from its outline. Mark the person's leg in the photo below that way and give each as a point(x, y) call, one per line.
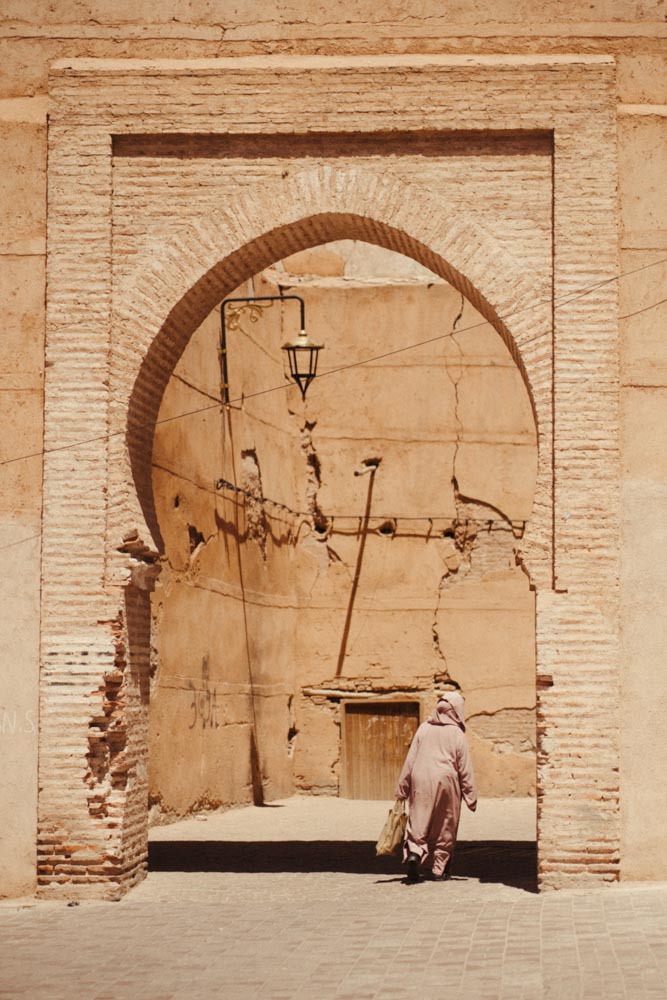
point(446, 823)
point(416, 848)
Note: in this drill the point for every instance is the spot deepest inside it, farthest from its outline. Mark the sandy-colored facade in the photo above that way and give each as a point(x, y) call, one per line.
point(340, 606)
point(516, 155)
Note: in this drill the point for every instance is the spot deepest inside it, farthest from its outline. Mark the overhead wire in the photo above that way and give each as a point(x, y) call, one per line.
point(637, 312)
point(20, 541)
point(31, 538)
point(221, 483)
point(561, 301)
point(567, 298)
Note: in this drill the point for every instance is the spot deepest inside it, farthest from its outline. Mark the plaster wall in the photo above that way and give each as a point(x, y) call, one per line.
point(265, 619)
point(392, 604)
point(224, 610)
point(33, 37)
point(643, 311)
point(22, 292)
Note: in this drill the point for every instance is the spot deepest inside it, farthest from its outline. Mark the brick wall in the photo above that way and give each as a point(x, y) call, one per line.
point(119, 315)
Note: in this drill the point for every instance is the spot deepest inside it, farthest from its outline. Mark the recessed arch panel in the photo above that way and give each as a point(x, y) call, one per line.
point(218, 253)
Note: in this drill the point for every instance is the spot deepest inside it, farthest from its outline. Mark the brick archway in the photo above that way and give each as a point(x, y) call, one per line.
point(170, 293)
point(114, 336)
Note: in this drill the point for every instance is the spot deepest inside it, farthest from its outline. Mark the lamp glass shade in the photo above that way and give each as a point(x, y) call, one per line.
point(302, 354)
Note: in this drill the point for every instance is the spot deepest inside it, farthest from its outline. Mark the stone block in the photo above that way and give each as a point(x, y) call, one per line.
point(19, 641)
point(400, 488)
point(501, 768)
point(502, 476)
point(486, 632)
point(644, 417)
point(493, 401)
point(642, 77)
point(317, 746)
point(187, 649)
point(358, 321)
point(214, 768)
point(24, 65)
point(21, 417)
point(320, 261)
point(276, 739)
point(643, 684)
point(642, 152)
point(643, 303)
point(22, 293)
point(23, 187)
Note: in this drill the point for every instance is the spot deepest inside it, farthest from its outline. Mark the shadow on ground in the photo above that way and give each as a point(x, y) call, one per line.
point(511, 863)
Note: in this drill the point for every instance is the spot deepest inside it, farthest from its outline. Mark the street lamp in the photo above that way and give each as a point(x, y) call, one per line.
point(301, 352)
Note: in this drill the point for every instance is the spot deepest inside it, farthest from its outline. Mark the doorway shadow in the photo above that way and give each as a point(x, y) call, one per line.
point(511, 863)
point(506, 862)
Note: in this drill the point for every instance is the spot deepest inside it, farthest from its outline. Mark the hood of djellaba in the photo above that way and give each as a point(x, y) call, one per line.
point(449, 711)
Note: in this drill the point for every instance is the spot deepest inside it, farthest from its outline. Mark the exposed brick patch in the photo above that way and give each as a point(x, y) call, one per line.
point(107, 768)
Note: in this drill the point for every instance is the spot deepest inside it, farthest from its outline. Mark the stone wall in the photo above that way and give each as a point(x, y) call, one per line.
point(32, 38)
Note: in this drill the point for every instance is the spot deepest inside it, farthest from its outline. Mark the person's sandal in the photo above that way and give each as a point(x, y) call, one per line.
point(413, 868)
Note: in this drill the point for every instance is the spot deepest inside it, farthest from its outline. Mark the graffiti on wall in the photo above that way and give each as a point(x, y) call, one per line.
point(204, 704)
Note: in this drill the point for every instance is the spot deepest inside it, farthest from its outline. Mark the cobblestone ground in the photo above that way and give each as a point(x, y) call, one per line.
point(289, 902)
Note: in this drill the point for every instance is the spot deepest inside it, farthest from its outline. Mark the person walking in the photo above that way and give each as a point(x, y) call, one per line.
point(436, 774)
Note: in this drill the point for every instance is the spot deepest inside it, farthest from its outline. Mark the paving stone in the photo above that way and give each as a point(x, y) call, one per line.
point(343, 935)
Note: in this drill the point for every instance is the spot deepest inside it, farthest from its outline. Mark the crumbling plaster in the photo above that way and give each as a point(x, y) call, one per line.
point(314, 572)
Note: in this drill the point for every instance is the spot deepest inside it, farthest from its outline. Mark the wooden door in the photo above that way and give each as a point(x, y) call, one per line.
point(376, 737)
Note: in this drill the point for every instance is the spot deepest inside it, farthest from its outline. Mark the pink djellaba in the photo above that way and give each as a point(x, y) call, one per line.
point(437, 773)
